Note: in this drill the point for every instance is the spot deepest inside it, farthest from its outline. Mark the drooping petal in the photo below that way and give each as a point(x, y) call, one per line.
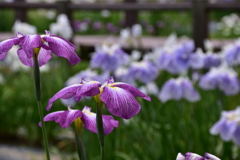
point(180, 156)
point(189, 92)
point(89, 120)
point(209, 156)
point(134, 91)
point(6, 45)
point(120, 102)
point(65, 93)
point(193, 156)
point(62, 48)
point(64, 118)
point(29, 42)
point(43, 57)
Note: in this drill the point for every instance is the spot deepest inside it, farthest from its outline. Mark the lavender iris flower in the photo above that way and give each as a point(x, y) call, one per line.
point(177, 89)
point(175, 59)
point(194, 156)
point(109, 58)
point(65, 118)
point(43, 44)
point(211, 60)
point(143, 71)
point(197, 59)
point(223, 78)
point(228, 126)
point(232, 54)
point(119, 98)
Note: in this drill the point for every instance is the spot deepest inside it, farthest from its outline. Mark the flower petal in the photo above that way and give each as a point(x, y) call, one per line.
point(64, 118)
point(62, 48)
point(120, 102)
point(236, 136)
point(6, 45)
point(193, 156)
point(189, 92)
point(134, 91)
point(180, 156)
point(29, 42)
point(43, 57)
point(209, 156)
point(89, 88)
point(65, 93)
point(89, 120)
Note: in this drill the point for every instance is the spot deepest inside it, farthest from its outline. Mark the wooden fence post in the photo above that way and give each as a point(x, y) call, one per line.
point(62, 7)
point(20, 14)
point(130, 16)
point(200, 23)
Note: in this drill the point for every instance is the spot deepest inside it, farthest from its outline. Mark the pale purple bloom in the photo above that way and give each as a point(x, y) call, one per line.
point(222, 78)
point(196, 60)
point(109, 58)
point(46, 43)
point(119, 98)
point(143, 71)
point(177, 89)
point(176, 59)
point(194, 156)
point(122, 75)
point(65, 118)
point(232, 54)
point(228, 126)
point(97, 25)
point(211, 60)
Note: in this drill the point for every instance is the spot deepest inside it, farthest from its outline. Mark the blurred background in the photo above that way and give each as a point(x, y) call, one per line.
point(165, 41)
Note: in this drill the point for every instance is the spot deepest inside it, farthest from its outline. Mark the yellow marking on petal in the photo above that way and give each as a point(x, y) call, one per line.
point(36, 50)
point(89, 113)
point(78, 125)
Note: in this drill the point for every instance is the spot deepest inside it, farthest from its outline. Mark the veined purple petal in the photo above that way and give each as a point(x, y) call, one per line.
point(180, 156)
point(120, 102)
point(43, 57)
point(62, 48)
point(29, 42)
point(6, 45)
point(193, 156)
point(65, 93)
point(89, 120)
point(64, 118)
point(209, 156)
point(134, 91)
point(90, 88)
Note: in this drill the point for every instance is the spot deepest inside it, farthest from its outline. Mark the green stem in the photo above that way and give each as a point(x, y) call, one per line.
point(37, 84)
point(100, 129)
point(80, 147)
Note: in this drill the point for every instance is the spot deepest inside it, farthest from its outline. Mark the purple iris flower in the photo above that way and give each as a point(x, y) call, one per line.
point(109, 58)
point(196, 60)
point(177, 89)
point(65, 118)
point(122, 75)
point(176, 59)
point(144, 71)
point(43, 44)
point(228, 126)
point(223, 78)
point(194, 156)
point(119, 98)
point(232, 54)
point(211, 60)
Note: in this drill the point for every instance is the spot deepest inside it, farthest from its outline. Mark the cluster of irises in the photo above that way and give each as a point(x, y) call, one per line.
point(119, 98)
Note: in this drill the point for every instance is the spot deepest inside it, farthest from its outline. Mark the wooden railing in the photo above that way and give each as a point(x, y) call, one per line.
point(200, 11)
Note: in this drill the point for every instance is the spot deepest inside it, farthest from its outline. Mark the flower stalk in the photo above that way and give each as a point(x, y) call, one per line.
point(100, 124)
point(37, 85)
point(79, 143)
